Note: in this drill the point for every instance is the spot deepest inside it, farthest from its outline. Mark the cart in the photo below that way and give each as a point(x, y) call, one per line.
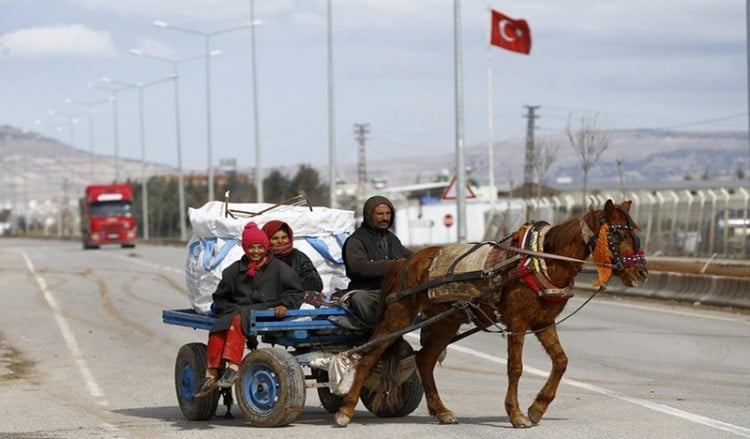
point(271, 388)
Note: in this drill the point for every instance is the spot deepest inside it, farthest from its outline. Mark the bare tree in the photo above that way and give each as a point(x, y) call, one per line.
point(547, 152)
point(589, 141)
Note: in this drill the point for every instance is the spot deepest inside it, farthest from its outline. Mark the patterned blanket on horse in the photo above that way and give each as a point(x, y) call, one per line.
point(481, 258)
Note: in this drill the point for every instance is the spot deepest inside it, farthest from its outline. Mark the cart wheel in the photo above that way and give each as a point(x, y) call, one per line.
point(189, 371)
point(330, 401)
point(411, 395)
point(270, 389)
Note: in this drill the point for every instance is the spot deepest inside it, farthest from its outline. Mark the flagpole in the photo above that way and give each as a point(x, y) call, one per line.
point(460, 167)
point(490, 133)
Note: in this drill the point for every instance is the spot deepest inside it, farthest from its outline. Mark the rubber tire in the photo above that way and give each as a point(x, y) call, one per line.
point(329, 400)
point(189, 371)
point(411, 394)
point(270, 389)
point(89, 246)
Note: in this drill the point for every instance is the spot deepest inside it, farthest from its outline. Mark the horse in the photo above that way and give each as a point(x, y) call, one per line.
point(522, 282)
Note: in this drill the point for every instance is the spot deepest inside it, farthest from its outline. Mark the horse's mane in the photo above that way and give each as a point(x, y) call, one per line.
point(568, 233)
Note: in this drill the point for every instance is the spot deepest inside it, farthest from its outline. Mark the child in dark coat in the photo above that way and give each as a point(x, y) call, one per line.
point(257, 281)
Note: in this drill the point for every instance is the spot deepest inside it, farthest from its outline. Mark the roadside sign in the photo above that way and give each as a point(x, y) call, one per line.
point(450, 191)
point(448, 220)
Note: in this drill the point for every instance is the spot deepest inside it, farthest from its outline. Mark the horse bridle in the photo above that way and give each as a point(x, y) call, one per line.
point(621, 262)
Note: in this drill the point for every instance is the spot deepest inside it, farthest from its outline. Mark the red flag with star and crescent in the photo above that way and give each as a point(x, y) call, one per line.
point(510, 34)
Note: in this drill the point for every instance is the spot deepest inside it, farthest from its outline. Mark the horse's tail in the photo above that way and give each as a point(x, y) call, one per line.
point(386, 397)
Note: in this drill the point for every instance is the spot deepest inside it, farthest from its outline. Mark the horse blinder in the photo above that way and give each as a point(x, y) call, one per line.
point(634, 258)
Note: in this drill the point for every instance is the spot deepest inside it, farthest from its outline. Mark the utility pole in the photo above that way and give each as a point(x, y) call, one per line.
point(619, 171)
point(360, 131)
point(528, 176)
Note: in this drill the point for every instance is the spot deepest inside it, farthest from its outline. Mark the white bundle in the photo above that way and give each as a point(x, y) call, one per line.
point(216, 243)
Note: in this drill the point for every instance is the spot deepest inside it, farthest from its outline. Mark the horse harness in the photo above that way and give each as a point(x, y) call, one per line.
point(617, 261)
point(528, 243)
point(531, 268)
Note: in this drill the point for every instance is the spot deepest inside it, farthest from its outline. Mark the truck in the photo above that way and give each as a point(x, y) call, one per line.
point(107, 216)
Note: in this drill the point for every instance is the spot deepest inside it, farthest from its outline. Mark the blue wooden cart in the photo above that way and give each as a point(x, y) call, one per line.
point(272, 383)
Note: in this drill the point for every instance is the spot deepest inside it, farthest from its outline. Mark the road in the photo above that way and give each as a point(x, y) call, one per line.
point(84, 354)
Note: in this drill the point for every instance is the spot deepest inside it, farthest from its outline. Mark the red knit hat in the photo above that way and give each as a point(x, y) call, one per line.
point(253, 235)
point(273, 226)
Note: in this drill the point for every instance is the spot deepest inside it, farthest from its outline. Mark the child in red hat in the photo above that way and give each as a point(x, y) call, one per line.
point(257, 281)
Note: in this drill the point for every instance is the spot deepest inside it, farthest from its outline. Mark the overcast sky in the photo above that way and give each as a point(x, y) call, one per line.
point(678, 64)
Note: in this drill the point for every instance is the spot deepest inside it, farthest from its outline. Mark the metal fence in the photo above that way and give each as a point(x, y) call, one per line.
point(690, 222)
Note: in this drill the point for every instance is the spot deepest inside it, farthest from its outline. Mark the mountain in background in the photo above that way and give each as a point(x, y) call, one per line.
point(34, 167)
point(646, 155)
point(40, 168)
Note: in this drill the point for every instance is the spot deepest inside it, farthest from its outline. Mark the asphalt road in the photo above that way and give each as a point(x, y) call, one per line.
point(84, 354)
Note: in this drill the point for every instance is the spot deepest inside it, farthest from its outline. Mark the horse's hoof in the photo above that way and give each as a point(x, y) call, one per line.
point(535, 415)
point(447, 418)
point(520, 422)
point(342, 420)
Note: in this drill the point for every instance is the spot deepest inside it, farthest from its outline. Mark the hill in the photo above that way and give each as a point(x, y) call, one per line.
point(647, 155)
point(42, 169)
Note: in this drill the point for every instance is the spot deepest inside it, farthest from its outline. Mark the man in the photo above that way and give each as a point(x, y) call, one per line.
point(368, 254)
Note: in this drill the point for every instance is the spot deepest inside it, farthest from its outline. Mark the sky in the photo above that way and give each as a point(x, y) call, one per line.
point(672, 64)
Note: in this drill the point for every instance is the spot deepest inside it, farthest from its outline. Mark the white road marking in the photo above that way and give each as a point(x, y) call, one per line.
point(698, 419)
point(70, 341)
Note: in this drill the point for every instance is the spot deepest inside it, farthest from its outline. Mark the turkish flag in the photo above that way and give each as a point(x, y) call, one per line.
point(510, 34)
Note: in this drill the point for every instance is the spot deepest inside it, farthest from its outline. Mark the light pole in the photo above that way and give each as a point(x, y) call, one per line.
point(113, 96)
point(89, 107)
point(331, 118)
point(144, 190)
point(258, 169)
point(72, 120)
point(207, 39)
point(180, 176)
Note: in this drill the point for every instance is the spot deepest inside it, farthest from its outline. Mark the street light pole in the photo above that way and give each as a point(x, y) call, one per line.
point(207, 38)
point(72, 120)
point(89, 107)
point(258, 168)
point(113, 96)
point(144, 183)
point(331, 118)
point(178, 130)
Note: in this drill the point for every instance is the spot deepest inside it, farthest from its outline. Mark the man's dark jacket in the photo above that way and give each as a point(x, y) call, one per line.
point(369, 251)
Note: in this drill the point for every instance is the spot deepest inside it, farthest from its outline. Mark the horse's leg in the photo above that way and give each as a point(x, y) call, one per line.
point(433, 344)
point(551, 343)
point(346, 410)
point(515, 369)
point(396, 317)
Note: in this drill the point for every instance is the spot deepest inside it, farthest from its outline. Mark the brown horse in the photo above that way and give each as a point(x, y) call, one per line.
point(522, 282)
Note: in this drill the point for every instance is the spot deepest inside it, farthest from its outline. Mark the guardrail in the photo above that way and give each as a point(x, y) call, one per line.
point(724, 291)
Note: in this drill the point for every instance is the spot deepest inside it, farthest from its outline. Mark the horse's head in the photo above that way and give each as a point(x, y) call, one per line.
point(616, 239)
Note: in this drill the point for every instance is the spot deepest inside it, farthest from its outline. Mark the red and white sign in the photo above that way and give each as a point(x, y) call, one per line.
point(448, 220)
point(450, 191)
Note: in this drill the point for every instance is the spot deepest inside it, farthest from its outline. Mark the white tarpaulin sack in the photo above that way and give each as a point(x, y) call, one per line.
point(216, 243)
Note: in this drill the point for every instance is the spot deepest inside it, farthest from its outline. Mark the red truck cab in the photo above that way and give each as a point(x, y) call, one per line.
point(107, 217)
